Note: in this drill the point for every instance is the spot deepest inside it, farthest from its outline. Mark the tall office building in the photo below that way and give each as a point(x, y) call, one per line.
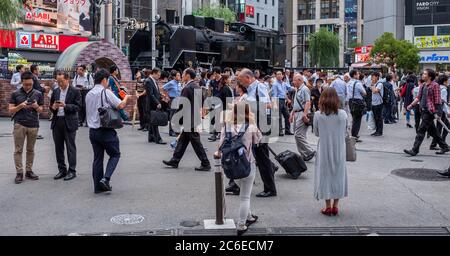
point(308, 16)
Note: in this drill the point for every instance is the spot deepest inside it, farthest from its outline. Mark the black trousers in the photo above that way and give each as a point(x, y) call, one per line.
point(82, 112)
point(265, 167)
point(183, 142)
point(153, 131)
point(356, 125)
point(378, 116)
point(441, 131)
point(142, 103)
point(283, 114)
point(61, 137)
point(104, 140)
point(417, 117)
point(427, 125)
point(171, 113)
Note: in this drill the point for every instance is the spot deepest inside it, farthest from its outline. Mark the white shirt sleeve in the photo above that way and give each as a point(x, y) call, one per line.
point(15, 80)
point(91, 81)
point(112, 99)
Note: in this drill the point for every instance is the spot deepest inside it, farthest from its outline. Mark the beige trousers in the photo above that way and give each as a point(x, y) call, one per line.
point(22, 133)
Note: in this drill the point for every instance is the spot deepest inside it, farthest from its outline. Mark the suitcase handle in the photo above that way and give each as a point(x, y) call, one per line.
point(271, 151)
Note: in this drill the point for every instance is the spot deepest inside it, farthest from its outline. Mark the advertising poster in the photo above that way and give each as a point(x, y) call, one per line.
point(74, 15)
point(70, 15)
point(3, 66)
point(432, 41)
point(40, 12)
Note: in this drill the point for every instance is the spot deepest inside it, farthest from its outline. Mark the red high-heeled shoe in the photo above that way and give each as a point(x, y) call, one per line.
point(326, 211)
point(335, 211)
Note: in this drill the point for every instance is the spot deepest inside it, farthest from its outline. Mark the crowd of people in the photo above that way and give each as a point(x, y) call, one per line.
point(333, 105)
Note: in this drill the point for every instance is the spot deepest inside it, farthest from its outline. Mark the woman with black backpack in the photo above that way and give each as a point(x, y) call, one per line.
point(240, 129)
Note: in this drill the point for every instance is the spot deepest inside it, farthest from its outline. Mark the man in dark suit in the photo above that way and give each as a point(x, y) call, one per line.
point(65, 104)
point(191, 92)
point(153, 103)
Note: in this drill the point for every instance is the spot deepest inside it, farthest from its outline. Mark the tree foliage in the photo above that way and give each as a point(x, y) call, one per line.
point(9, 12)
point(324, 48)
point(221, 12)
point(395, 53)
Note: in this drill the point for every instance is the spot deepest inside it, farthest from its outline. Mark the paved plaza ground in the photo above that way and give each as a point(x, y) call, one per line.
point(166, 197)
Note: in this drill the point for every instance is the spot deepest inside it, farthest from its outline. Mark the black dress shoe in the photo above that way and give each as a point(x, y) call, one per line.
point(140, 129)
point(60, 175)
point(212, 138)
point(171, 163)
point(411, 152)
point(445, 174)
point(266, 194)
point(161, 142)
point(70, 176)
point(435, 148)
point(288, 133)
point(203, 168)
point(377, 135)
point(104, 184)
point(443, 151)
point(281, 135)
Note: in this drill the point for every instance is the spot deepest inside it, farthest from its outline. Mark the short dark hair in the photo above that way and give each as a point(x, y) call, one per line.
point(173, 73)
point(190, 72)
point(63, 73)
point(441, 79)
point(376, 74)
point(203, 74)
point(431, 73)
point(100, 75)
point(353, 72)
point(33, 68)
point(113, 68)
point(217, 70)
point(26, 75)
point(19, 67)
point(82, 66)
point(155, 70)
point(389, 77)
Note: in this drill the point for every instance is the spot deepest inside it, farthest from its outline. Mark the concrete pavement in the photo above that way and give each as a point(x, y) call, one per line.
point(166, 197)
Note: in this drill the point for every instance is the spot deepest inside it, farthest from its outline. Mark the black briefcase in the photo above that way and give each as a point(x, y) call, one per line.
point(292, 163)
point(159, 118)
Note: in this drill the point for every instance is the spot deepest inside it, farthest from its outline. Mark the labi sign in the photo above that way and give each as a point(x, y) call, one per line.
point(425, 5)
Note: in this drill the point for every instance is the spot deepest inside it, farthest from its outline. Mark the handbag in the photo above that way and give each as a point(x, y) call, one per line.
point(158, 118)
point(357, 106)
point(350, 149)
point(310, 115)
point(109, 116)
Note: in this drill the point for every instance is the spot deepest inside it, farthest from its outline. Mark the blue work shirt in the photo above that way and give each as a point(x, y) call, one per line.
point(360, 92)
point(262, 92)
point(279, 89)
point(340, 86)
point(173, 88)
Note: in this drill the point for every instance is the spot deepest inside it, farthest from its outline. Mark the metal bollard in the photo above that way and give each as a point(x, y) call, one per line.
point(220, 194)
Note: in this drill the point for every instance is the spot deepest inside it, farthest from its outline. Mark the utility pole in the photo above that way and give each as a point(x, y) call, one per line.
point(109, 22)
point(154, 12)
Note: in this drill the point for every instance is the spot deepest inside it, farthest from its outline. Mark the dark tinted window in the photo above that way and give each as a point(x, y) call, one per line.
point(424, 31)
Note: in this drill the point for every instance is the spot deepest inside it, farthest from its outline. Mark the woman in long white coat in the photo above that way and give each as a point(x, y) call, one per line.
point(330, 180)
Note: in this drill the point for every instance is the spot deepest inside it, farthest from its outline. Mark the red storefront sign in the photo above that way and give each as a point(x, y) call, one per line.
point(7, 39)
point(37, 41)
point(250, 11)
point(66, 41)
point(362, 54)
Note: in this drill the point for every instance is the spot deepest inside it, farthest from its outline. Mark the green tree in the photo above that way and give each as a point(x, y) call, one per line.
point(324, 48)
point(395, 53)
point(9, 12)
point(221, 12)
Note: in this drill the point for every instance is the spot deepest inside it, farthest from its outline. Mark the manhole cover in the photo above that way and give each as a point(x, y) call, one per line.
point(127, 219)
point(189, 223)
point(419, 174)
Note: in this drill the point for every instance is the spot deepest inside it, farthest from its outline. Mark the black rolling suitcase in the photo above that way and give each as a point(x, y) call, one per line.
point(291, 162)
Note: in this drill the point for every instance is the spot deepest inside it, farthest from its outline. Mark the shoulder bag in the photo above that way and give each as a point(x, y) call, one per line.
point(109, 116)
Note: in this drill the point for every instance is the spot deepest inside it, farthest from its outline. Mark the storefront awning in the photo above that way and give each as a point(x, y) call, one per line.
point(33, 56)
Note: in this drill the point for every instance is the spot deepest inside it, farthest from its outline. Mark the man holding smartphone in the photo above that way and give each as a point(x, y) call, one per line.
point(65, 104)
point(25, 104)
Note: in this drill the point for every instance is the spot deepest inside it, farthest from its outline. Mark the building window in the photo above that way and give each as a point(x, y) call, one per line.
point(302, 44)
point(330, 27)
point(306, 9)
point(329, 9)
point(424, 31)
point(273, 22)
point(443, 30)
point(257, 19)
point(265, 20)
